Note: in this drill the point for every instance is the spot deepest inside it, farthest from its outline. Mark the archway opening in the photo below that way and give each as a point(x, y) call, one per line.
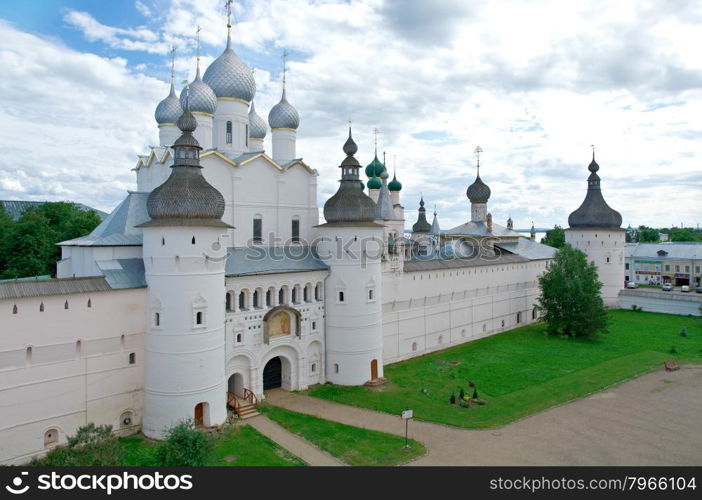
point(202, 415)
point(236, 384)
point(273, 374)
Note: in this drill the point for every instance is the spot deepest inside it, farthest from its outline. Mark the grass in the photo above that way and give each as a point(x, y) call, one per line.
point(237, 446)
point(352, 445)
point(525, 371)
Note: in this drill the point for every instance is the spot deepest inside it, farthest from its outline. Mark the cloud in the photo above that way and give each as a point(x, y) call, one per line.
point(534, 83)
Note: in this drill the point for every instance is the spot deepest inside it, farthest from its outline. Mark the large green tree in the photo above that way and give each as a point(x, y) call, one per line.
point(555, 237)
point(570, 300)
point(28, 245)
point(647, 235)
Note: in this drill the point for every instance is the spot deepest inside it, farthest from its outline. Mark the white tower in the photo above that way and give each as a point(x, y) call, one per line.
point(184, 257)
point(233, 83)
point(351, 244)
point(596, 230)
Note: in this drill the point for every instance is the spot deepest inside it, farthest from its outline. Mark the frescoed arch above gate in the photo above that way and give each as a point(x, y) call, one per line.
point(280, 322)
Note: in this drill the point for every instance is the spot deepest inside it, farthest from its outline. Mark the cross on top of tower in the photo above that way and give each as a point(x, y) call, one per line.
point(173, 50)
point(284, 57)
point(197, 45)
point(477, 152)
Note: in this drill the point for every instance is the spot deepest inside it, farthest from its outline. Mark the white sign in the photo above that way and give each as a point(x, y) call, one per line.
point(406, 414)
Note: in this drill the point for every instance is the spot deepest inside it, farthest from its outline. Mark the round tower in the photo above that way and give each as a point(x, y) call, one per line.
point(184, 257)
point(595, 229)
point(233, 83)
point(350, 242)
point(283, 120)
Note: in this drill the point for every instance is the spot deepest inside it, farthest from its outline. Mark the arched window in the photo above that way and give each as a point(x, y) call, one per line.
point(51, 437)
point(269, 297)
point(228, 301)
point(306, 294)
point(534, 313)
point(336, 367)
point(294, 295)
point(519, 317)
point(198, 318)
point(90, 303)
point(229, 133)
point(242, 300)
point(257, 299)
point(65, 305)
point(28, 355)
point(281, 296)
point(296, 230)
point(414, 346)
point(257, 229)
point(79, 346)
point(163, 241)
point(41, 307)
point(318, 292)
point(193, 240)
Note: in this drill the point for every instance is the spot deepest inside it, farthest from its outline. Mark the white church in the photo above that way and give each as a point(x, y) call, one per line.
point(215, 282)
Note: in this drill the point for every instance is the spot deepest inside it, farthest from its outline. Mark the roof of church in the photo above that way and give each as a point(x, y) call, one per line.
point(123, 273)
point(453, 263)
point(529, 249)
point(283, 115)
point(422, 225)
point(228, 76)
point(118, 228)
point(248, 261)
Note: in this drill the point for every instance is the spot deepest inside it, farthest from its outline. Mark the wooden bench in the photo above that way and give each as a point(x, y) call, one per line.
point(671, 365)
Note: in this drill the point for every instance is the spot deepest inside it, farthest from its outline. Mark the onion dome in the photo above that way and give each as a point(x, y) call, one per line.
point(168, 110)
point(422, 225)
point(349, 204)
point(374, 182)
point(375, 168)
point(394, 184)
point(257, 127)
point(594, 211)
point(228, 76)
point(478, 192)
point(202, 98)
point(383, 207)
point(186, 197)
point(283, 115)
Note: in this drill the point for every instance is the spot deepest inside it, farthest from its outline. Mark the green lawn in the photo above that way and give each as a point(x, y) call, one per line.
point(525, 371)
point(236, 446)
point(352, 445)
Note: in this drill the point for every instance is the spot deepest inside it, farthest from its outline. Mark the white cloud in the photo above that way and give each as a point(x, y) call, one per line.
point(533, 83)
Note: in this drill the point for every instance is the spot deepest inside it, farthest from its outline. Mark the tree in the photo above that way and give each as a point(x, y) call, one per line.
point(647, 234)
point(684, 234)
point(185, 445)
point(555, 237)
point(28, 245)
point(570, 296)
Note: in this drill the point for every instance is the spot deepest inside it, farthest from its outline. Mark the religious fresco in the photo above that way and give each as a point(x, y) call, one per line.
point(279, 325)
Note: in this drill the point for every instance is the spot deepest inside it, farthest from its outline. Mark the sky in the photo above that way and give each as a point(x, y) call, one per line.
point(534, 84)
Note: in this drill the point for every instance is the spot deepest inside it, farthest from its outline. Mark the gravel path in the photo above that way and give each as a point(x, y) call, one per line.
point(655, 419)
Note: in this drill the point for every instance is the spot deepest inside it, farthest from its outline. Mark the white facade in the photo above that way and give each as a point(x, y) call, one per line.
point(604, 247)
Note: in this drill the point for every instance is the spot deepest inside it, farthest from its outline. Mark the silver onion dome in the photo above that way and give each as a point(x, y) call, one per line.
point(228, 76)
point(202, 98)
point(168, 111)
point(257, 127)
point(283, 115)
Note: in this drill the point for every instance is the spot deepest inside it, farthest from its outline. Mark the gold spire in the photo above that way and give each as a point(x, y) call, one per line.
point(197, 50)
point(284, 57)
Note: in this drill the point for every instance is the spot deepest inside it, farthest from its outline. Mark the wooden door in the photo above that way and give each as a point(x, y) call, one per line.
point(374, 369)
point(198, 414)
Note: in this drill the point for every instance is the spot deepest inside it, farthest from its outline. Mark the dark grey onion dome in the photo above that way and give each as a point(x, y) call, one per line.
point(185, 194)
point(257, 127)
point(202, 98)
point(594, 211)
point(349, 203)
point(168, 110)
point(478, 192)
point(283, 115)
point(228, 76)
point(422, 225)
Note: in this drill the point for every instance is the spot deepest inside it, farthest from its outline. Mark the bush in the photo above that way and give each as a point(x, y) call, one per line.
point(636, 308)
point(673, 350)
point(452, 399)
point(91, 445)
point(683, 332)
point(185, 445)
point(462, 394)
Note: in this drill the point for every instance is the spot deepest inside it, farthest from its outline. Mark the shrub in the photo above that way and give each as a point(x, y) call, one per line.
point(636, 308)
point(462, 394)
point(91, 445)
point(683, 332)
point(673, 350)
point(452, 399)
point(185, 445)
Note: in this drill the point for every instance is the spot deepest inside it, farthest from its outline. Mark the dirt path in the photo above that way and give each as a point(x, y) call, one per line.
point(655, 419)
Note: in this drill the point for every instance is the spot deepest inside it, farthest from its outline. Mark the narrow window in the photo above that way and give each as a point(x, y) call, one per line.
point(370, 294)
point(306, 294)
point(441, 339)
point(28, 355)
point(157, 319)
point(228, 301)
point(247, 135)
point(519, 317)
point(163, 241)
point(341, 296)
point(79, 346)
point(294, 295)
point(414, 346)
point(65, 305)
point(193, 240)
point(256, 300)
point(314, 367)
point(242, 301)
point(258, 230)
point(132, 358)
point(503, 323)
point(229, 132)
point(336, 368)
point(198, 318)
point(269, 298)
point(314, 326)
point(296, 231)
point(281, 296)
point(122, 341)
point(238, 338)
point(41, 307)
point(90, 303)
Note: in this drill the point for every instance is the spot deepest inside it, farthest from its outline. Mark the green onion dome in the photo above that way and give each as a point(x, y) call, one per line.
point(394, 184)
point(375, 168)
point(374, 182)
